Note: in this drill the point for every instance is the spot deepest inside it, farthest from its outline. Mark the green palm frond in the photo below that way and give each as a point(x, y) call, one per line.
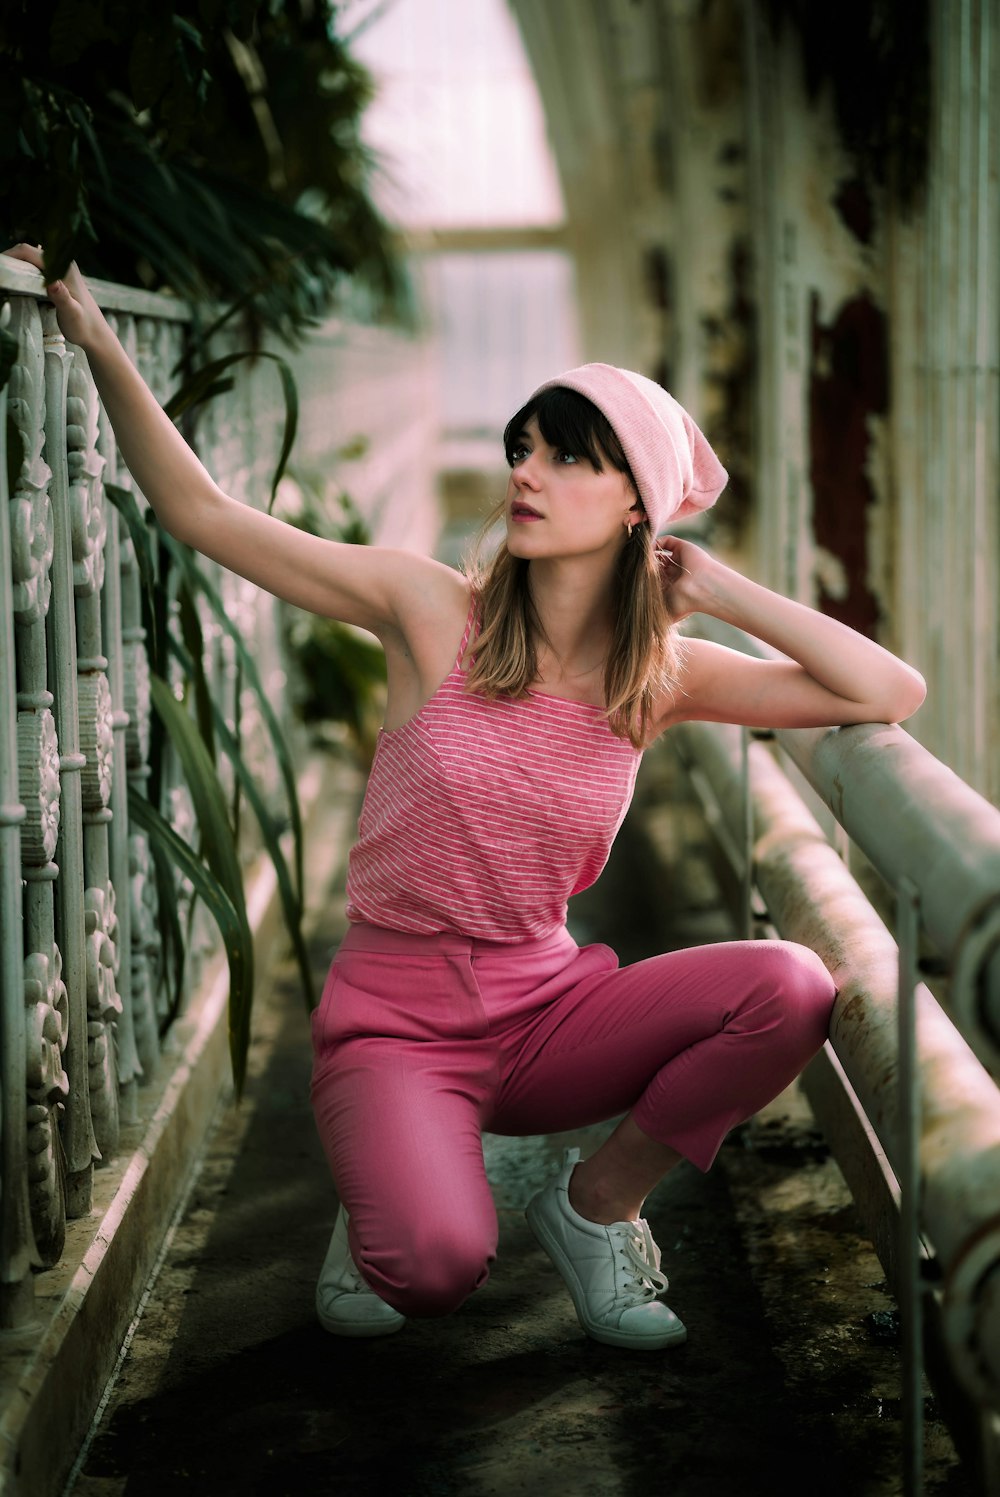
point(223, 892)
point(232, 928)
point(291, 904)
point(204, 384)
point(200, 583)
point(213, 148)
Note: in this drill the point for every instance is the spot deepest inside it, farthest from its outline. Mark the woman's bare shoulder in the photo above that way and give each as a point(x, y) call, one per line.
point(431, 598)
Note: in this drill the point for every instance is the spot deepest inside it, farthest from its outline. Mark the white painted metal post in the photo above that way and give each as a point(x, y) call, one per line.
point(911, 1286)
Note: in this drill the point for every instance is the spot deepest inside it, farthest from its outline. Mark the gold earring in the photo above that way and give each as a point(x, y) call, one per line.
point(630, 529)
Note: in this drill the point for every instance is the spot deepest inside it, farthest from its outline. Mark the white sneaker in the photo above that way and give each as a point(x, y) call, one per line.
point(345, 1303)
point(612, 1272)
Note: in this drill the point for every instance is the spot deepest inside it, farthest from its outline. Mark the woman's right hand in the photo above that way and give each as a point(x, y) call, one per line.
point(80, 319)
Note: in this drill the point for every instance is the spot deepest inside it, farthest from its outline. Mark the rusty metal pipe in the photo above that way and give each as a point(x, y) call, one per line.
point(812, 898)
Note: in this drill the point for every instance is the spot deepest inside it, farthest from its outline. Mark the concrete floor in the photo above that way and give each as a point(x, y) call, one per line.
point(789, 1380)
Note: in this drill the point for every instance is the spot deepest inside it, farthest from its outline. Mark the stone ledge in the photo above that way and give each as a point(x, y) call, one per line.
point(54, 1371)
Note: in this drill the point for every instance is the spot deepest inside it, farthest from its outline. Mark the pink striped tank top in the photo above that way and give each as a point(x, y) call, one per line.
point(482, 817)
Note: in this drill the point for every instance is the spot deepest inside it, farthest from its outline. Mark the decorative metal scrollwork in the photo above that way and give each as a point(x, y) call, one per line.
point(103, 1007)
point(47, 1030)
point(138, 702)
point(147, 957)
point(38, 776)
point(96, 738)
point(87, 505)
point(31, 528)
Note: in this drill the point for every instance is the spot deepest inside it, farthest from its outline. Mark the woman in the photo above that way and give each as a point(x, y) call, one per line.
point(519, 703)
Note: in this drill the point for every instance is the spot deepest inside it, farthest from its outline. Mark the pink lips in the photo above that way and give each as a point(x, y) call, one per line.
point(522, 512)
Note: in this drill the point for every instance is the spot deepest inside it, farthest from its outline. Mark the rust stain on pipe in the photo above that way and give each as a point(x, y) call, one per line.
point(812, 898)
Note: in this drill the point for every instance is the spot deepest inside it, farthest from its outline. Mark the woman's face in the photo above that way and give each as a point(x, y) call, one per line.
point(559, 505)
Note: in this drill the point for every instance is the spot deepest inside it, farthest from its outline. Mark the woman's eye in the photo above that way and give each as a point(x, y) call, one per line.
point(568, 457)
point(517, 455)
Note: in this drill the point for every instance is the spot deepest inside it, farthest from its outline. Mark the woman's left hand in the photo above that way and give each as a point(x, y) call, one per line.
point(831, 674)
point(687, 573)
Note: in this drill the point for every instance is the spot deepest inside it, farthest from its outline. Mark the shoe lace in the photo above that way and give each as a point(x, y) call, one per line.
point(348, 1279)
point(351, 1280)
point(642, 1256)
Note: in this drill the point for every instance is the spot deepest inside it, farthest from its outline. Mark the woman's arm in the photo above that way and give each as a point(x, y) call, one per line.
point(379, 589)
point(834, 675)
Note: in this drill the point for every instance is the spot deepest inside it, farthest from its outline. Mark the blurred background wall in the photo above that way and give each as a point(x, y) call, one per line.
point(789, 215)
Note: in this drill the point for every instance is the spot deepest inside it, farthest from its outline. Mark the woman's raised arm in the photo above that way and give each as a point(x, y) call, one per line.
point(376, 588)
point(833, 676)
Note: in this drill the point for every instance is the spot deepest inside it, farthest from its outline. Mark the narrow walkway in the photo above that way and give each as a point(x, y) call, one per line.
point(787, 1383)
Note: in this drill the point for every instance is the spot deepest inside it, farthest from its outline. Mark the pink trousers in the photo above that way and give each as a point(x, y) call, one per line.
point(423, 1043)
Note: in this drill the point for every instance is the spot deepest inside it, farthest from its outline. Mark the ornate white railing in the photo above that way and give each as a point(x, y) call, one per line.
point(81, 995)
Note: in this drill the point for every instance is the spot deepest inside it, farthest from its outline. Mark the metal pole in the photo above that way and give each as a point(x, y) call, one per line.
point(911, 1285)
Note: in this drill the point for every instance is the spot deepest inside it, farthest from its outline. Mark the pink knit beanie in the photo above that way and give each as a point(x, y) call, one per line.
point(676, 471)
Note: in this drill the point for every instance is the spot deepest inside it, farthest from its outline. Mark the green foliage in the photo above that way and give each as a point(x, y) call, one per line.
point(197, 740)
point(341, 671)
point(230, 920)
point(208, 146)
point(205, 384)
point(345, 674)
point(224, 891)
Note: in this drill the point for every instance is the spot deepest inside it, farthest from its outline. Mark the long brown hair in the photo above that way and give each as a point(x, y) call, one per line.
point(643, 656)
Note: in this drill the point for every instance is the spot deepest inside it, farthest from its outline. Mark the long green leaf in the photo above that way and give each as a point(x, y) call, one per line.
point(187, 614)
point(231, 926)
point(290, 903)
point(219, 853)
point(207, 794)
point(201, 337)
point(194, 666)
point(237, 737)
point(204, 383)
point(185, 559)
point(142, 544)
point(291, 394)
point(171, 940)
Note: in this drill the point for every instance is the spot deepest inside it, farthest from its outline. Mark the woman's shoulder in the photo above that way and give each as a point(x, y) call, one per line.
point(428, 595)
point(435, 611)
point(434, 600)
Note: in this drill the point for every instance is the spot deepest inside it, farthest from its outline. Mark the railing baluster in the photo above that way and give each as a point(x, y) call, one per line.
point(908, 1174)
point(15, 1225)
point(135, 662)
point(42, 997)
point(129, 1067)
point(77, 1133)
point(88, 520)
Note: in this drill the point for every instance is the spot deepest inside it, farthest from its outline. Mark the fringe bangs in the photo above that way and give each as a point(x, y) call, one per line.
point(569, 420)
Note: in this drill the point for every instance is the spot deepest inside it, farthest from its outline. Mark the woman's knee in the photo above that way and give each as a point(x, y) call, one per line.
point(431, 1274)
point(803, 988)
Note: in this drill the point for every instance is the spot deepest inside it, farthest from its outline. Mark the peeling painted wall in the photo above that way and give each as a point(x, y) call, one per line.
point(830, 318)
point(848, 385)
